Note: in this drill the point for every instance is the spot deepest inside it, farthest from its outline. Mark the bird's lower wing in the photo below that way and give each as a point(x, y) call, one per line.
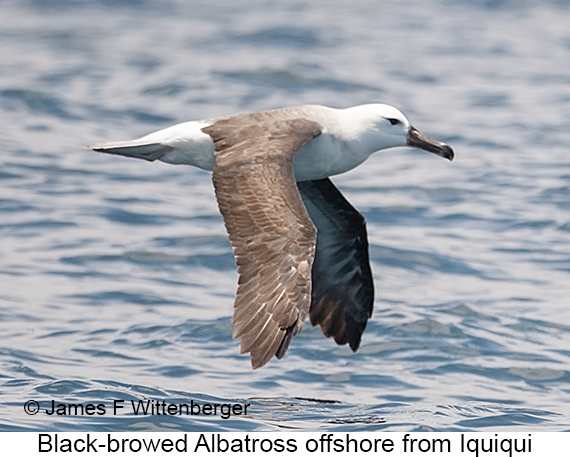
point(343, 289)
point(272, 236)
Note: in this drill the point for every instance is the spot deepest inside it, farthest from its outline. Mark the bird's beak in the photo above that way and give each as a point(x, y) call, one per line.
point(417, 139)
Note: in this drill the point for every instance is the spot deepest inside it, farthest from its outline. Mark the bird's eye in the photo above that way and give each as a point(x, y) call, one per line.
point(394, 121)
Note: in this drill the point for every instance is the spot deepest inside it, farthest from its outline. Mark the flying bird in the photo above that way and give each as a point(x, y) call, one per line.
point(300, 247)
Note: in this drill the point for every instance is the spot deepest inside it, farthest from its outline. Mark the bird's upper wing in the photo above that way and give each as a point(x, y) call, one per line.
point(272, 236)
point(343, 289)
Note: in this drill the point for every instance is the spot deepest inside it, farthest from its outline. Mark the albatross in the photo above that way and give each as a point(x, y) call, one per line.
point(300, 247)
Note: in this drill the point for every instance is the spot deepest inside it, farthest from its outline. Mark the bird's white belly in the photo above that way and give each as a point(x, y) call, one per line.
point(320, 158)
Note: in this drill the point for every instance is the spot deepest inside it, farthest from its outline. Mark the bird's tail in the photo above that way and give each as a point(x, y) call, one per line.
point(141, 150)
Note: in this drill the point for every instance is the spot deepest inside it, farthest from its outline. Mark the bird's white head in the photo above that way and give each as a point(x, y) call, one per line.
point(381, 126)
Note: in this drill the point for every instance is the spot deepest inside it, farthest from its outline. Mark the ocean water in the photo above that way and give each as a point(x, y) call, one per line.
point(116, 276)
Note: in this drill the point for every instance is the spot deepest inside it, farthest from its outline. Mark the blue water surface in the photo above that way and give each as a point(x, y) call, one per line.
point(116, 276)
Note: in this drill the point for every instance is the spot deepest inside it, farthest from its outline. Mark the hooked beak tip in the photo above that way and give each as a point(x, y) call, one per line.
point(447, 153)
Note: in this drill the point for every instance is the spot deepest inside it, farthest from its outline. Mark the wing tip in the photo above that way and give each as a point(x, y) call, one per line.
point(262, 352)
